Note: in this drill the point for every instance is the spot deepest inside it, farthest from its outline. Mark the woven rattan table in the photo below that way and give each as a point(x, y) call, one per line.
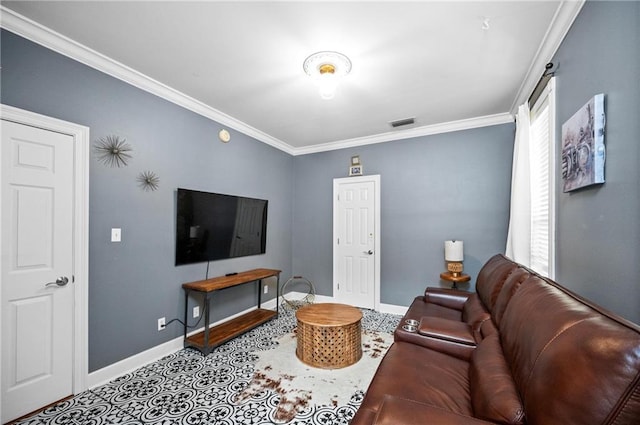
point(329, 335)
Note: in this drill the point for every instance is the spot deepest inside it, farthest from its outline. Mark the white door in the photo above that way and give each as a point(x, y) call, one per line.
point(37, 297)
point(356, 227)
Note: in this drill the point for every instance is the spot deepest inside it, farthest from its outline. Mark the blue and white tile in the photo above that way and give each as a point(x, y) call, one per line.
point(188, 388)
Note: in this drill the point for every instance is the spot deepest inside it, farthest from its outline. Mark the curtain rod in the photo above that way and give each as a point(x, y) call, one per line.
point(549, 71)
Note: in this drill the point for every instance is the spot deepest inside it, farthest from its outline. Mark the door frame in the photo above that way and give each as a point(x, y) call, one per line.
point(80, 135)
point(337, 182)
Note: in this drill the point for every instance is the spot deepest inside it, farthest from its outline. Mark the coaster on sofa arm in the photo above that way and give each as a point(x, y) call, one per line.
point(445, 329)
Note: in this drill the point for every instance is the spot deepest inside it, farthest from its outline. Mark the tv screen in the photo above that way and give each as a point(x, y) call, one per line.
point(213, 226)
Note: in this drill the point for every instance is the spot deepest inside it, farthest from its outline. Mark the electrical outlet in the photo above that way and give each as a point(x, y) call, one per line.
point(266, 289)
point(196, 311)
point(161, 324)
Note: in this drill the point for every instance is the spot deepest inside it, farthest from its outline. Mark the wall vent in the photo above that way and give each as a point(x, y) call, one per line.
point(402, 122)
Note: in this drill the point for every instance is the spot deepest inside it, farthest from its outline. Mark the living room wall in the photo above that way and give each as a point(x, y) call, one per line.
point(433, 188)
point(453, 185)
point(599, 226)
point(133, 283)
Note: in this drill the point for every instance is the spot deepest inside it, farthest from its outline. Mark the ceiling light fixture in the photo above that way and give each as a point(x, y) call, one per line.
point(327, 68)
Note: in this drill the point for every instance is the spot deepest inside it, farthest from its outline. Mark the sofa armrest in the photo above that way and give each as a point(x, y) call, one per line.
point(399, 411)
point(452, 348)
point(450, 298)
point(448, 330)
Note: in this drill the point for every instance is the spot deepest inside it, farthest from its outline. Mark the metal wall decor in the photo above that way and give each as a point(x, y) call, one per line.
point(583, 151)
point(148, 181)
point(113, 151)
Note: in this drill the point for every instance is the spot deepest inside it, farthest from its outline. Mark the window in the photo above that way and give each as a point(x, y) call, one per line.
point(543, 183)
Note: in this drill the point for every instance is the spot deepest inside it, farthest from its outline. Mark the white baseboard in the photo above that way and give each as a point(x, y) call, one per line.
point(108, 373)
point(383, 308)
point(124, 366)
point(393, 309)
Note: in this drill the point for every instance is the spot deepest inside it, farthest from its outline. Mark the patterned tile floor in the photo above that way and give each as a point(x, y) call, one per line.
point(189, 388)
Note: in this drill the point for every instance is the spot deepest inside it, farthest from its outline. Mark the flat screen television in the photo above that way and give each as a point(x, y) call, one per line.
point(213, 226)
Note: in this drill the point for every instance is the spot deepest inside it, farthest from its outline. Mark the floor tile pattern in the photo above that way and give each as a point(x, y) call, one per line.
point(191, 389)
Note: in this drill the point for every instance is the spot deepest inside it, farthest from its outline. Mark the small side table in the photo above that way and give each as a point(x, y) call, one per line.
point(329, 335)
point(461, 278)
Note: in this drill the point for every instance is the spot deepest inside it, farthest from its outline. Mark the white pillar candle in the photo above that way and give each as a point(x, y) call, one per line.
point(453, 250)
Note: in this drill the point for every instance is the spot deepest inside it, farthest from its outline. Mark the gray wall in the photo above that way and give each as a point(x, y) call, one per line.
point(133, 283)
point(433, 188)
point(599, 227)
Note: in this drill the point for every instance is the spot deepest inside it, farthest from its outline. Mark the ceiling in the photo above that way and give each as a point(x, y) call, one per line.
point(240, 63)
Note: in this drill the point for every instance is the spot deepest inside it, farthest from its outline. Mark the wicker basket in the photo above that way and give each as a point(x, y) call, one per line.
point(306, 300)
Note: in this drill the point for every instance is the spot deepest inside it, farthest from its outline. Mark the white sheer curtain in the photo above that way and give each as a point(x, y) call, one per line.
point(519, 234)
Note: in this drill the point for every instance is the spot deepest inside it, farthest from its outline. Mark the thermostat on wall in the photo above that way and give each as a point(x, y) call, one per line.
point(224, 136)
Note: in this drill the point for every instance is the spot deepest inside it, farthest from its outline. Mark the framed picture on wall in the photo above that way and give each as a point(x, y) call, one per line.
point(355, 170)
point(583, 152)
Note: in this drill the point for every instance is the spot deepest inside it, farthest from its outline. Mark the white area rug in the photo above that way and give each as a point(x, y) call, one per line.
point(300, 385)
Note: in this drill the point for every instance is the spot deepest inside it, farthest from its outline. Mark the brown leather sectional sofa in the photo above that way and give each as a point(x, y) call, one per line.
point(520, 350)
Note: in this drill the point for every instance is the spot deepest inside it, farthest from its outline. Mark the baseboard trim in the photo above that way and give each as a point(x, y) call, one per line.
point(393, 309)
point(124, 366)
point(108, 373)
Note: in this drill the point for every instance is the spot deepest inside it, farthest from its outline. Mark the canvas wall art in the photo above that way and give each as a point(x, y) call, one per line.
point(583, 151)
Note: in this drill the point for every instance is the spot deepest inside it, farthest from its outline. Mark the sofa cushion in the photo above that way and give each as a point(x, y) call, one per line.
point(510, 286)
point(398, 411)
point(493, 392)
point(416, 373)
point(572, 362)
point(491, 277)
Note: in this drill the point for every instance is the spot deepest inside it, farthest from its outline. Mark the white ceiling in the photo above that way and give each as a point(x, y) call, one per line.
point(240, 63)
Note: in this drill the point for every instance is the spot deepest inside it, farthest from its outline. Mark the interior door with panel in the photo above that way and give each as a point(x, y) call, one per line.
point(356, 241)
point(37, 291)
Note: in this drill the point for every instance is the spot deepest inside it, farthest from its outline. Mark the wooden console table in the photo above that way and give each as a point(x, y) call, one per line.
point(212, 337)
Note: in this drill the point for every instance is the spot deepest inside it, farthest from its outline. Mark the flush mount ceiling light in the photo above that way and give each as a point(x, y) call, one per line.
point(327, 68)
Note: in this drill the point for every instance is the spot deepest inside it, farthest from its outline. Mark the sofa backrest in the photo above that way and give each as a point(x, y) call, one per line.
point(491, 278)
point(572, 362)
point(510, 286)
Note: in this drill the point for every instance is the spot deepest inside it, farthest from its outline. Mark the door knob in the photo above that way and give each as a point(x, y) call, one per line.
point(61, 281)
point(368, 252)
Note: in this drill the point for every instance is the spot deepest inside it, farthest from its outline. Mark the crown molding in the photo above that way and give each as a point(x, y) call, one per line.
point(33, 31)
point(59, 43)
point(564, 17)
point(427, 130)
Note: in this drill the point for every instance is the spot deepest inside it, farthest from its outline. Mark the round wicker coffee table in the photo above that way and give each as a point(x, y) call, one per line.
point(329, 335)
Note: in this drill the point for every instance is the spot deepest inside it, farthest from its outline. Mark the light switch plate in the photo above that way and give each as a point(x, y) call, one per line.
point(116, 235)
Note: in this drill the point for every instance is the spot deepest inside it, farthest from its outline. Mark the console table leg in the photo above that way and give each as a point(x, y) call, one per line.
point(186, 312)
point(259, 293)
point(206, 349)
